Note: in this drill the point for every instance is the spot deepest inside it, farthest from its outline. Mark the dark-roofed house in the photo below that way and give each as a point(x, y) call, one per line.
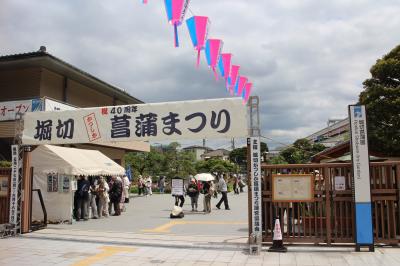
point(217, 154)
point(49, 83)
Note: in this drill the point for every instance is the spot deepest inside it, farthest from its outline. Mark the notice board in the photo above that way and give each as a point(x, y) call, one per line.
point(293, 188)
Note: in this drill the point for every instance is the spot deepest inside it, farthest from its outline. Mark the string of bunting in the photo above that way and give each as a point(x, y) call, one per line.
point(198, 27)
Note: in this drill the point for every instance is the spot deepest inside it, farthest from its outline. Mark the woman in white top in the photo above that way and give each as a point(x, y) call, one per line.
point(149, 184)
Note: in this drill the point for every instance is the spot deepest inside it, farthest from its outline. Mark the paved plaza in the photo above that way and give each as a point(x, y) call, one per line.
point(28, 251)
point(144, 235)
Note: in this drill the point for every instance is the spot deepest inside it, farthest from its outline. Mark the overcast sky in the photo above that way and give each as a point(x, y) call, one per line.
point(306, 58)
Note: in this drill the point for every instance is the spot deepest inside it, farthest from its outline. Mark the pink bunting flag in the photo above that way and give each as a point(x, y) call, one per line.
point(144, 1)
point(176, 11)
point(198, 30)
point(240, 85)
point(247, 91)
point(213, 51)
point(234, 73)
point(224, 66)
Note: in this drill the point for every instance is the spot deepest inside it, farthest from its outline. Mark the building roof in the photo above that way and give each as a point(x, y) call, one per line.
point(333, 152)
point(43, 59)
point(216, 153)
point(197, 147)
point(329, 129)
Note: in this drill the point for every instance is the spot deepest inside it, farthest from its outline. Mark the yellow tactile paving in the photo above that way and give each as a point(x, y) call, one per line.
point(165, 228)
point(108, 251)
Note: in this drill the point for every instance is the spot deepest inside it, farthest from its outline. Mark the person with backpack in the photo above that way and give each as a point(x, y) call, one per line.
point(193, 193)
point(115, 195)
point(82, 197)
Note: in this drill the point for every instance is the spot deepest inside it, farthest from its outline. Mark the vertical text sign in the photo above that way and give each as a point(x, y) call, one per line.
point(361, 175)
point(256, 185)
point(14, 185)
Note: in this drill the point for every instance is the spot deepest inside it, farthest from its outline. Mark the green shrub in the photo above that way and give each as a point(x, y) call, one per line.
point(5, 164)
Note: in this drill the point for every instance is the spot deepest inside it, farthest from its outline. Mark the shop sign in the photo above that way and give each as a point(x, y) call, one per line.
point(218, 118)
point(9, 110)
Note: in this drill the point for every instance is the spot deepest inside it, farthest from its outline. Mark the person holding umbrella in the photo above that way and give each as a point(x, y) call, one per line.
point(207, 190)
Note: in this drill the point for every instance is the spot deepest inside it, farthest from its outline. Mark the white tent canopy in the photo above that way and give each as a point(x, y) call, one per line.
point(66, 163)
point(72, 161)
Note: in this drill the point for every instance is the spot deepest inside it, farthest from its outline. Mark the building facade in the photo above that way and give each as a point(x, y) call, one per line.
point(49, 83)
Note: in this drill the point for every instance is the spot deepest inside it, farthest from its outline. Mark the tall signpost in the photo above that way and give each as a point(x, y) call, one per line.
point(255, 216)
point(361, 177)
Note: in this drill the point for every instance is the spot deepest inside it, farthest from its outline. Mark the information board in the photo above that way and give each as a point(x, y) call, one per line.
point(177, 187)
point(293, 188)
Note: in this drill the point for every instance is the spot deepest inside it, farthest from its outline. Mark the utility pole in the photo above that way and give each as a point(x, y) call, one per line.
point(233, 143)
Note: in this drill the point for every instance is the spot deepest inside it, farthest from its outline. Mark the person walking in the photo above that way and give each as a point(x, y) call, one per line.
point(161, 184)
point(193, 193)
point(224, 191)
point(102, 192)
point(115, 195)
point(208, 191)
point(148, 184)
point(140, 185)
point(236, 184)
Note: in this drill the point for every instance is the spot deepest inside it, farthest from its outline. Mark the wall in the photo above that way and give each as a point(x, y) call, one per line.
point(19, 83)
point(51, 85)
point(83, 96)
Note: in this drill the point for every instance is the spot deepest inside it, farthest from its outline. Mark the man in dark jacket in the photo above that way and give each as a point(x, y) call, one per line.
point(116, 195)
point(82, 198)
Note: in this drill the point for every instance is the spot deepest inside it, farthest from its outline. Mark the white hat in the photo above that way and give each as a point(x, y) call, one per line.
point(176, 211)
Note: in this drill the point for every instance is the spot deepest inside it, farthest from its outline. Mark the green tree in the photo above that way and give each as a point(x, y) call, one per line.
point(381, 96)
point(218, 166)
point(239, 155)
point(145, 163)
point(301, 151)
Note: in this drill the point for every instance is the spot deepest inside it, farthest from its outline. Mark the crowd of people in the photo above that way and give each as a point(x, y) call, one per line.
point(99, 196)
point(209, 189)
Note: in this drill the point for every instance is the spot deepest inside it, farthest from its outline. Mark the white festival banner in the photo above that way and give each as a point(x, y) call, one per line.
point(216, 118)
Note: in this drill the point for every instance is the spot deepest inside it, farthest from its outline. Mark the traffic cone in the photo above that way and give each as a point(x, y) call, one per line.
point(277, 242)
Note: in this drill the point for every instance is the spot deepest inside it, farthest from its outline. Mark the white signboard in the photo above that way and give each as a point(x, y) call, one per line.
point(360, 153)
point(14, 185)
point(218, 118)
point(256, 202)
point(340, 183)
point(51, 105)
point(9, 110)
point(177, 187)
point(292, 188)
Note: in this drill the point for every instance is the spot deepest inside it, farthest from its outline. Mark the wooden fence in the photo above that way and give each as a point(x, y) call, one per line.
point(330, 217)
point(5, 174)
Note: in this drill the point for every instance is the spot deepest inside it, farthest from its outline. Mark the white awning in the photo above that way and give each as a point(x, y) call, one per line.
point(72, 161)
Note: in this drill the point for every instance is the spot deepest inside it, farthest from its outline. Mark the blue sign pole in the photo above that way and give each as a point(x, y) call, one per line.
point(361, 177)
